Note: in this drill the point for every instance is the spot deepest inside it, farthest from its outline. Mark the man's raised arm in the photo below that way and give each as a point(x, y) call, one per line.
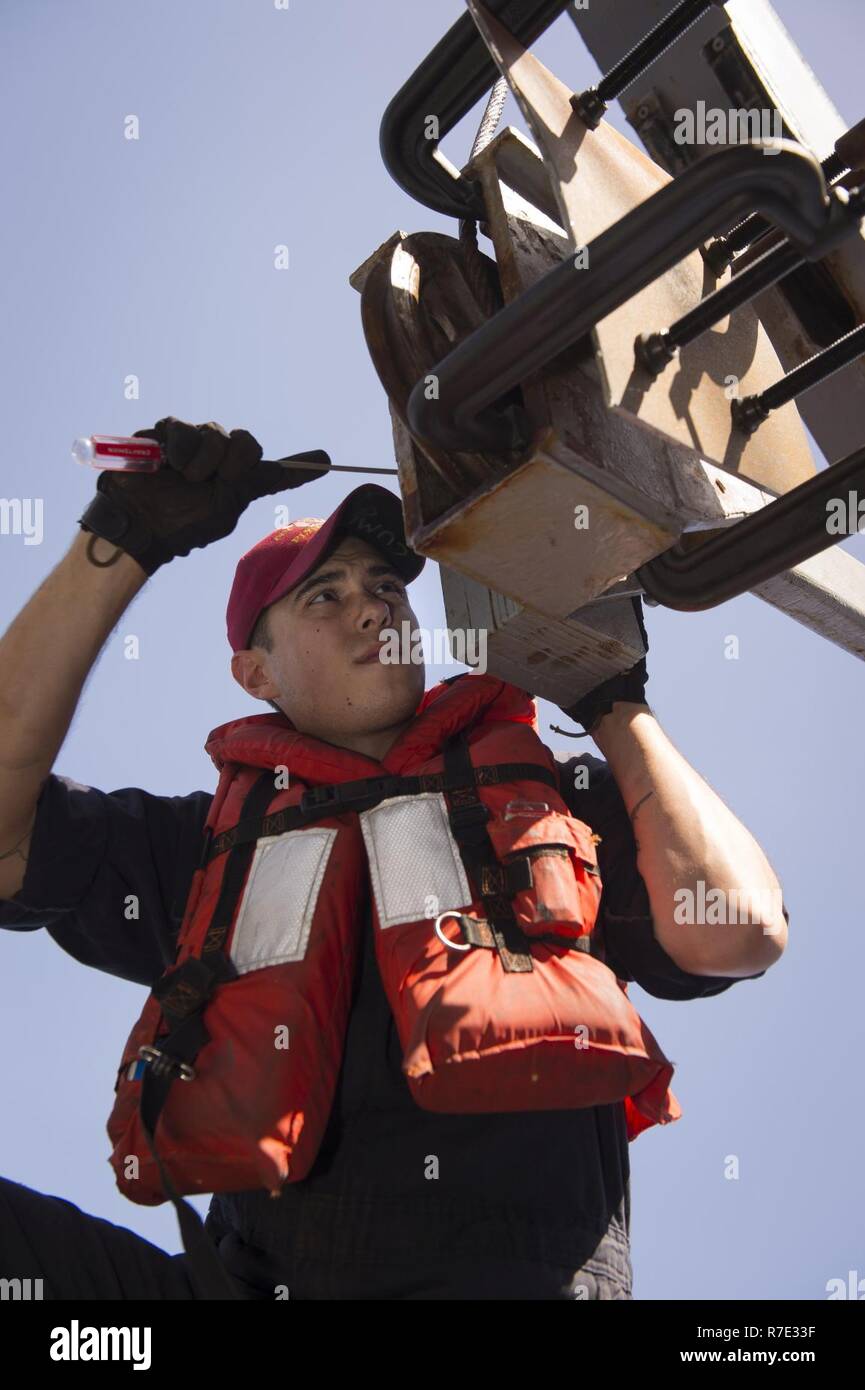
point(45, 658)
point(136, 523)
point(716, 902)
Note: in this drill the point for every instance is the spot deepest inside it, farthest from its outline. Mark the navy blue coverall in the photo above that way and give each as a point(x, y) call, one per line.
point(533, 1205)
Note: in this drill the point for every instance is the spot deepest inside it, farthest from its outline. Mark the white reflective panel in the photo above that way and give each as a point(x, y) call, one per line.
point(412, 857)
point(279, 898)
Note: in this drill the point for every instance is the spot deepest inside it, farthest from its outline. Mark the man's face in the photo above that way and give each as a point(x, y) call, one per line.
point(322, 633)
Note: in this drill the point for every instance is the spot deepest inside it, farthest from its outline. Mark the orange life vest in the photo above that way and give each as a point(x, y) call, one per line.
point(484, 892)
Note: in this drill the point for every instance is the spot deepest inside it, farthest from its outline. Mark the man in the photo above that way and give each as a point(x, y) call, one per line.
point(400, 1202)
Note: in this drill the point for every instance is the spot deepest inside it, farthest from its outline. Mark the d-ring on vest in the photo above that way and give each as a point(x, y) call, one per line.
point(459, 837)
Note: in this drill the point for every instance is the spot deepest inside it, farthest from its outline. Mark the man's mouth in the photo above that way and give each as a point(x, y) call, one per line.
point(372, 655)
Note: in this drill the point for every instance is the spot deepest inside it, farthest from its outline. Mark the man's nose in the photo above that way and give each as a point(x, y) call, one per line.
point(376, 610)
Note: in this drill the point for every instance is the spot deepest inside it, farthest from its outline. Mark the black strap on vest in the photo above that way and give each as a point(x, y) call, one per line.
point(468, 817)
point(362, 795)
point(183, 994)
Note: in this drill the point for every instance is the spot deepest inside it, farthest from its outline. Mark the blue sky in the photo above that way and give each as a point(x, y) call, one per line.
point(155, 258)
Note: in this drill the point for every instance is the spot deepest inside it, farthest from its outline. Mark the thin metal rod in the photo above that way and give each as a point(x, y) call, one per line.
point(332, 467)
point(655, 350)
point(591, 104)
point(767, 271)
point(822, 365)
point(750, 412)
point(665, 33)
point(776, 538)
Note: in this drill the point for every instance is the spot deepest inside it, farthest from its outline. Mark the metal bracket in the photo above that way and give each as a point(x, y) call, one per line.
point(447, 84)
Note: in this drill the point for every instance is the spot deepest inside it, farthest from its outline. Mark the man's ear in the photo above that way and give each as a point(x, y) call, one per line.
point(249, 673)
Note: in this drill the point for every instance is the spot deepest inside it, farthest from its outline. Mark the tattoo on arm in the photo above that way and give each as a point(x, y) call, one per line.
point(635, 810)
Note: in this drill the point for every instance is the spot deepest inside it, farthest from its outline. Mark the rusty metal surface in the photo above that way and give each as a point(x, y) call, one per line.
point(417, 302)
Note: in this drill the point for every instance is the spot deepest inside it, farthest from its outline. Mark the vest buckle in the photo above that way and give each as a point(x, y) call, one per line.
point(351, 796)
point(163, 1064)
point(315, 797)
point(468, 816)
point(510, 878)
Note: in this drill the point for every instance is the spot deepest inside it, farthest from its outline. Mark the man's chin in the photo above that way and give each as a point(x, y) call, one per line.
point(410, 672)
point(401, 683)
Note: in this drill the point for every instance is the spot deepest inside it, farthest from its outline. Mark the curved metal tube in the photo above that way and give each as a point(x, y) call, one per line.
point(776, 538)
point(788, 188)
point(455, 75)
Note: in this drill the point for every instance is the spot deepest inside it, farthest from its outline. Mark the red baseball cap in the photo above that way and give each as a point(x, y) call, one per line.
point(280, 561)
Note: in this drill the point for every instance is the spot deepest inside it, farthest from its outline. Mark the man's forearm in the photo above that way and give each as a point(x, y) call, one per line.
point(689, 843)
point(45, 656)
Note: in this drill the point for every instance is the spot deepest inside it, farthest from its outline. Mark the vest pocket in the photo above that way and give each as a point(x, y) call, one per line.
point(550, 871)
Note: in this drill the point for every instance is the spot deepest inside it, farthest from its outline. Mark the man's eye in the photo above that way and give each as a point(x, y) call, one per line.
point(391, 583)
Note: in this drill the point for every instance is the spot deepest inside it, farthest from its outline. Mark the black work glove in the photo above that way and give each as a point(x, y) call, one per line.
point(627, 685)
point(208, 479)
